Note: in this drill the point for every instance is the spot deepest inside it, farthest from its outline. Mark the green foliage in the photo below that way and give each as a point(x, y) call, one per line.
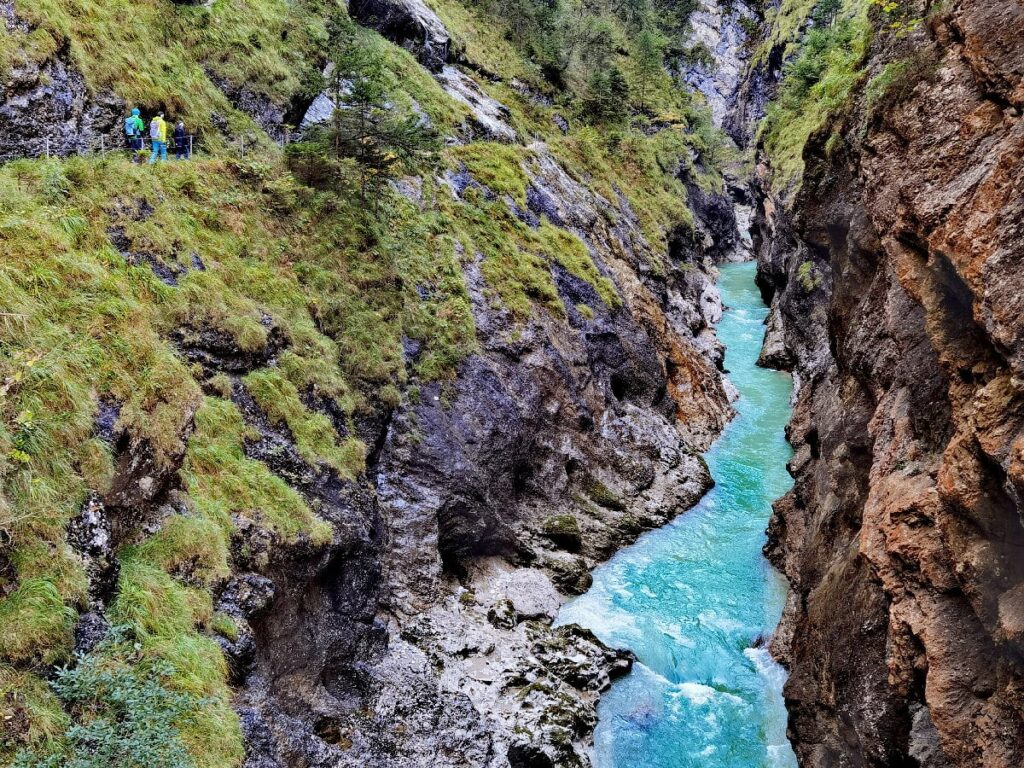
point(124, 715)
point(314, 434)
point(900, 18)
point(607, 96)
point(808, 276)
point(343, 282)
point(825, 12)
point(224, 482)
point(817, 84)
point(363, 126)
point(601, 494)
point(34, 622)
point(591, 53)
point(897, 80)
point(162, 54)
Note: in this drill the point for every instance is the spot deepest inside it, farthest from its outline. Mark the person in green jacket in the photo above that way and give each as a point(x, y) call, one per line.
point(158, 134)
point(133, 128)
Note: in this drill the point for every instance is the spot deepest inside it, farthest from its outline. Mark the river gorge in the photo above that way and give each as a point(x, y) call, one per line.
point(696, 601)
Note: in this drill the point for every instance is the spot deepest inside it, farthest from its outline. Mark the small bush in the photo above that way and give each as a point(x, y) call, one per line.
point(124, 716)
point(896, 82)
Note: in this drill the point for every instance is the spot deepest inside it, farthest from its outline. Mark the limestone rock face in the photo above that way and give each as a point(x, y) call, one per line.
point(897, 285)
point(410, 23)
point(423, 634)
point(717, 29)
point(47, 107)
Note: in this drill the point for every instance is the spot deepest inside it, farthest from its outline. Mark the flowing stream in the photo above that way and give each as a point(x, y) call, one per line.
point(693, 599)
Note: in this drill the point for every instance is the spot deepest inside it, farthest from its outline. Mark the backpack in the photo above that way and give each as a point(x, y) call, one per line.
point(129, 126)
point(154, 129)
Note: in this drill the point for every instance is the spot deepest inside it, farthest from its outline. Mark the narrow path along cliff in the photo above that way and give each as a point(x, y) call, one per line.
point(695, 599)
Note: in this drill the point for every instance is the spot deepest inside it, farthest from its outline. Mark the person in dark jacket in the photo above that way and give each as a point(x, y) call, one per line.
point(182, 151)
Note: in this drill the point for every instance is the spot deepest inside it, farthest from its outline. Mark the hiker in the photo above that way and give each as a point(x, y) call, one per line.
point(181, 148)
point(158, 133)
point(133, 127)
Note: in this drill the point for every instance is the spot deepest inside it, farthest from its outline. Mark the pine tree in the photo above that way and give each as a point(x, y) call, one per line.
point(364, 126)
point(650, 58)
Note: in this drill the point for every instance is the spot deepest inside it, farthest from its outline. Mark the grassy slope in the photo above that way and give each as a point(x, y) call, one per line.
point(156, 54)
point(802, 109)
point(79, 324)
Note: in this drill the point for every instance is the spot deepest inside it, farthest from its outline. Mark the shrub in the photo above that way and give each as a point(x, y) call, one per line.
point(896, 82)
point(817, 84)
point(124, 716)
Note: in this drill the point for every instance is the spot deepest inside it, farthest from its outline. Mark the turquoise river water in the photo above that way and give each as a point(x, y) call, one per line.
point(691, 599)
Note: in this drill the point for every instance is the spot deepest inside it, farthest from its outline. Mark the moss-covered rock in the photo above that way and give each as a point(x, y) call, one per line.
point(563, 530)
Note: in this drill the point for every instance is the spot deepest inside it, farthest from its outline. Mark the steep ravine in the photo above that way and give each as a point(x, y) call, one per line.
point(429, 641)
point(896, 278)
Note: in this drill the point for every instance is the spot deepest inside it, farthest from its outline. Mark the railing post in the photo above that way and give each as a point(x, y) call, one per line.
point(190, 146)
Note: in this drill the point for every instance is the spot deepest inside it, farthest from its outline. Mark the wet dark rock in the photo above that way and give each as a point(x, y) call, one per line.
point(90, 630)
point(411, 349)
point(542, 204)
point(462, 180)
point(48, 106)
point(268, 114)
point(564, 531)
point(260, 746)
point(575, 655)
point(408, 23)
point(240, 653)
point(169, 273)
point(217, 351)
point(91, 534)
point(715, 216)
point(528, 217)
point(895, 284)
point(572, 576)
point(246, 596)
point(107, 414)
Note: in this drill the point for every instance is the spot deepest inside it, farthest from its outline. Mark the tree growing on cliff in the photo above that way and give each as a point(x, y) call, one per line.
point(649, 61)
point(607, 97)
point(364, 125)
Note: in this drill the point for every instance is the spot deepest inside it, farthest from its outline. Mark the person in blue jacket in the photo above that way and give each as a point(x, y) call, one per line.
point(133, 128)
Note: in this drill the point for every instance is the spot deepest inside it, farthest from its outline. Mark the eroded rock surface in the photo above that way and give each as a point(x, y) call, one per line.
point(46, 106)
point(422, 634)
point(896, 284)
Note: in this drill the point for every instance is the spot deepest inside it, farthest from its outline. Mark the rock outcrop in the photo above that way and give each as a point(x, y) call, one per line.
point(409, 23)
point(46, 108)
point(423, 634)
point(896, 284)
point(719, 47)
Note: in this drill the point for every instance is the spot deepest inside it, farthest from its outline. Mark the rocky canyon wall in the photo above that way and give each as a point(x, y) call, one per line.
point(896, 280)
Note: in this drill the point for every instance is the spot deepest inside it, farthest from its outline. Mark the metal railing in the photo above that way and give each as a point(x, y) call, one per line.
point(52, 146)
point(103, 145)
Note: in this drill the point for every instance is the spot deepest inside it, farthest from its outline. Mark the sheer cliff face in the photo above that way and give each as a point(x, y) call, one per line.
point(897, 282)
point(428, 640)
